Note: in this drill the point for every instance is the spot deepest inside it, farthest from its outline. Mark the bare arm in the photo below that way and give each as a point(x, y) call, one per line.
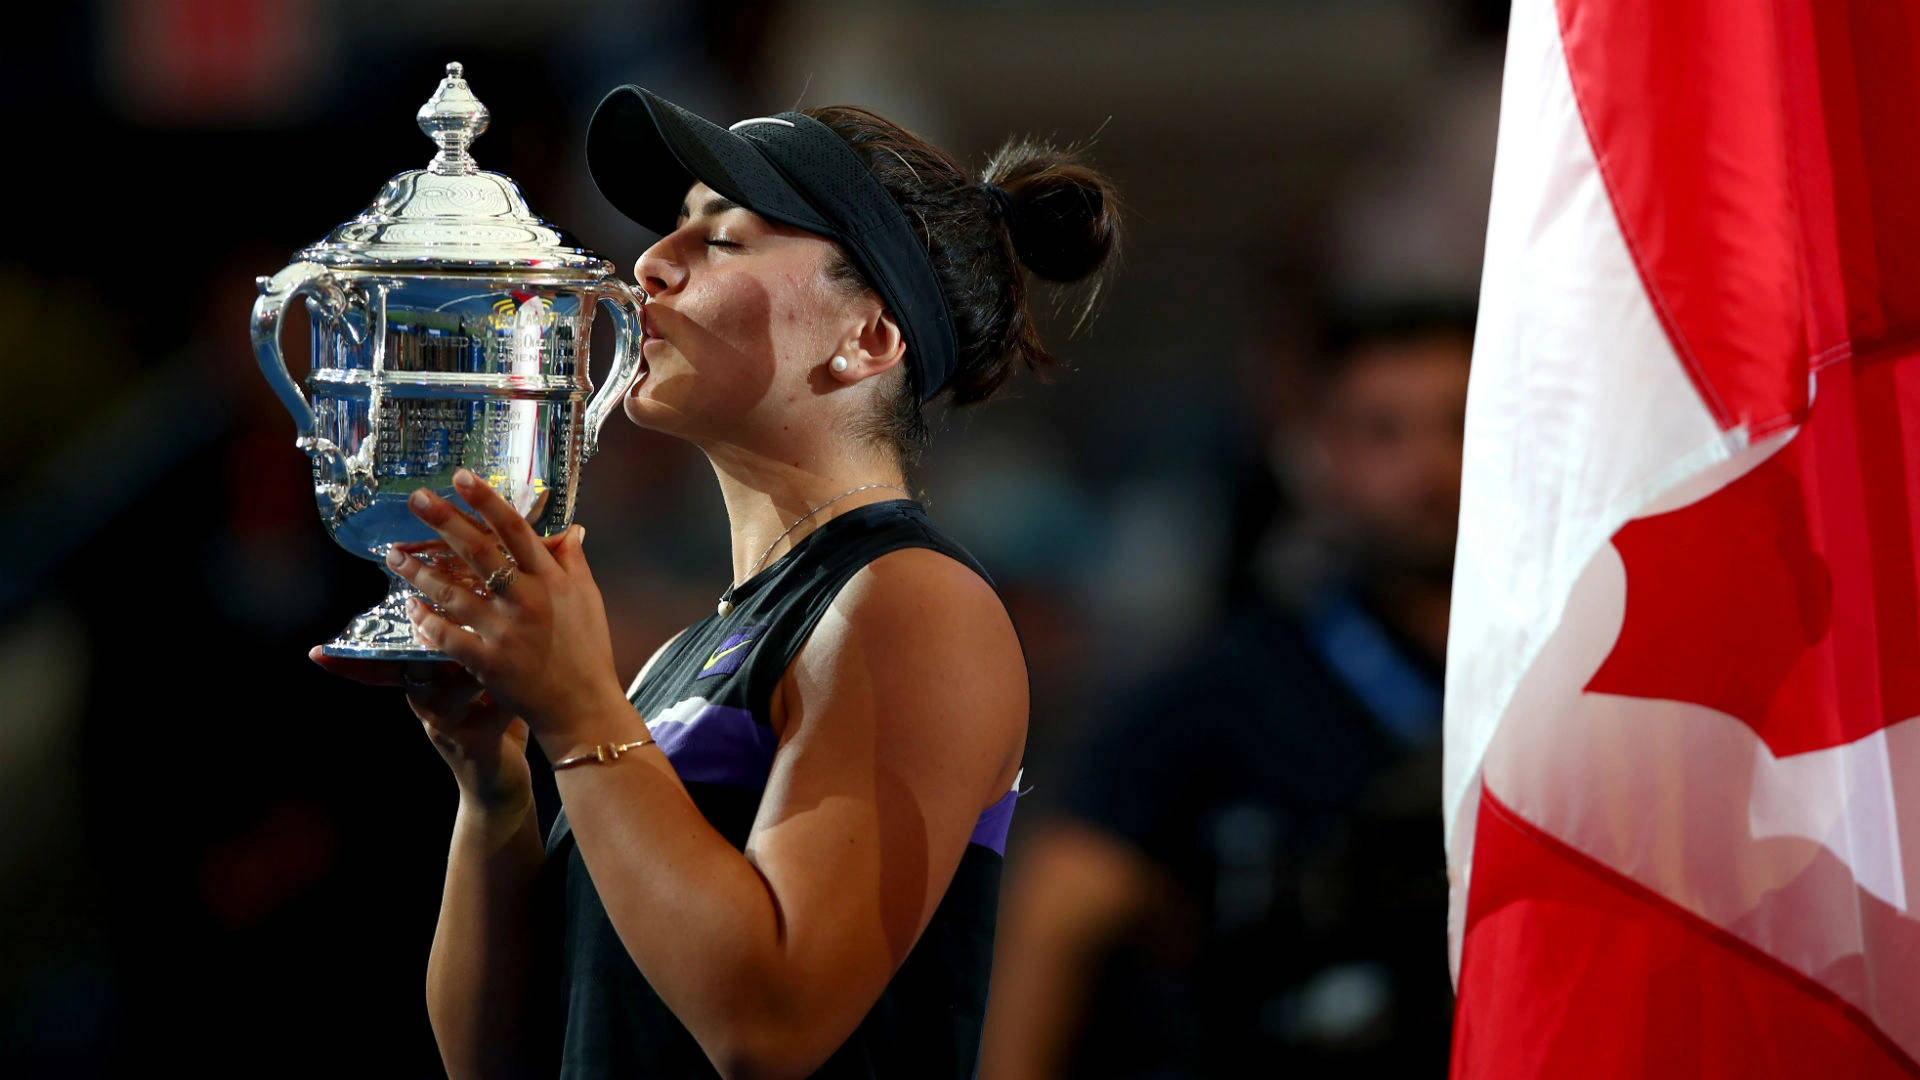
point(1073, 893)
point(484, 944)
point(483, 947)
point(904, 717)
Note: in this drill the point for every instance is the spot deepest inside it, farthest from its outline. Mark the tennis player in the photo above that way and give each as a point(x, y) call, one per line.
point(779, 849)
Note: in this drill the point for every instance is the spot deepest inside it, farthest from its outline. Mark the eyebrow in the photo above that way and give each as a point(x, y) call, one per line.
point(719, 204)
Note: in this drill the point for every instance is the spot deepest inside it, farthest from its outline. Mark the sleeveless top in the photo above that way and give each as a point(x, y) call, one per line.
point(705, 701)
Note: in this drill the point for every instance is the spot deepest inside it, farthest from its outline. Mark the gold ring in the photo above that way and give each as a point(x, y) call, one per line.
point(498, 581)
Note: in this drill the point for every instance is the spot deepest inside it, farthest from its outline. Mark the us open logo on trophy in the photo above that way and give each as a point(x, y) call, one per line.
point(450, 330)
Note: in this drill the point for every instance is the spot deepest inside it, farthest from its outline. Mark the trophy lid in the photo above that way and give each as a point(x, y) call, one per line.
point(452, 214)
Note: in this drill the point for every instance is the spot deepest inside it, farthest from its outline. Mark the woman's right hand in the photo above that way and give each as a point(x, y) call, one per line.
point(484, 745)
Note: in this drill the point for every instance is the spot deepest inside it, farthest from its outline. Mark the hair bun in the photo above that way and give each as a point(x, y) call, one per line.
point(1034, 206)
point(1065, 216)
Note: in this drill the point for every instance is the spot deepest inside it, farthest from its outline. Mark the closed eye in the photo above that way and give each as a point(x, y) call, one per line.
point(722, 243)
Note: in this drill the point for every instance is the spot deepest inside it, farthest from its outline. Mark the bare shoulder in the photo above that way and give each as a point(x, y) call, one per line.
point(901, 720)
point(904, 588)
point(925, 637)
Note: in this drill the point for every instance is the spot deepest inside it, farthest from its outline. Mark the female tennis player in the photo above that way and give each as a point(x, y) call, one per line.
point(778, 853)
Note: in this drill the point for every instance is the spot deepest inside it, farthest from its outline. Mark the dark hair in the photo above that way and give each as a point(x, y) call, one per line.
point(1352, 325)
point(1061, 222)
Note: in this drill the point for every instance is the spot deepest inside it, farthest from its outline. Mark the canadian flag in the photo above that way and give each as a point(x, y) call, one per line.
point(1683, 694)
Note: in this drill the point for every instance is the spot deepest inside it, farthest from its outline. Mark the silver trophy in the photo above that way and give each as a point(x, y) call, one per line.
point(450, 329)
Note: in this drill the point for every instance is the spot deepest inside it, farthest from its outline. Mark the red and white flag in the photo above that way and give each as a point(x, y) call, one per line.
point(1683, 695)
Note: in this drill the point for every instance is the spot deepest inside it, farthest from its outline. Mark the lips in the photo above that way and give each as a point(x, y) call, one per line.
point(648, 333)
point(640, 376)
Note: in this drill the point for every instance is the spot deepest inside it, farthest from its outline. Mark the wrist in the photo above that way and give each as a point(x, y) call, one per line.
point(609, 720)
point(495, 820)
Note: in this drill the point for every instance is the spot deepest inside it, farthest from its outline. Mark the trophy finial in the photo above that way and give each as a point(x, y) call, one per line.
point(453, 118)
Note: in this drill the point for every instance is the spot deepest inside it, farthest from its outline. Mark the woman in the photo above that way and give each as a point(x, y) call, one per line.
point(779, 850)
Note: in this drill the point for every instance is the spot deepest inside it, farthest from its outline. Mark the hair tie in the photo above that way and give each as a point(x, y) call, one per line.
point(999, 196)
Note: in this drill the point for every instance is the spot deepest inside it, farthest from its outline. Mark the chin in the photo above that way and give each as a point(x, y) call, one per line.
point(641, 409)
point(641, 413)
point(665, 417)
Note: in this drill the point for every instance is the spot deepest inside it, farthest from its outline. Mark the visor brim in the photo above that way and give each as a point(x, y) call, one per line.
point(644, 152)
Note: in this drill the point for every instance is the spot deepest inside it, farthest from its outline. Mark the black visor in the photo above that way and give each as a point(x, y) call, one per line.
point(644, 152)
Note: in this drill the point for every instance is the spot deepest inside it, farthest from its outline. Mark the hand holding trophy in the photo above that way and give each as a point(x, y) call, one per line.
point(449, 330)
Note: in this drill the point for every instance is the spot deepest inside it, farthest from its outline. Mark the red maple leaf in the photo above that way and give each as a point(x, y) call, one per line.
point(1787, 599)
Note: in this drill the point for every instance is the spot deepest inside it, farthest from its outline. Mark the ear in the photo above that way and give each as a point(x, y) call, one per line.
point(872, 346)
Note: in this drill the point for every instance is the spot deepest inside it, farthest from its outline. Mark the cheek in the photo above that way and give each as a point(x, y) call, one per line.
point(727, 345)
point(798, 319)
point(727, 308)
point(776, 315)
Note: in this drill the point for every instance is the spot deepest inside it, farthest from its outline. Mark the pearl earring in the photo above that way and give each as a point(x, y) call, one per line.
point(839, 363)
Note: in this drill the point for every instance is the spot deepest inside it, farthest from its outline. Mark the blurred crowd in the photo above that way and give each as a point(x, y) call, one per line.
point(1225, 534)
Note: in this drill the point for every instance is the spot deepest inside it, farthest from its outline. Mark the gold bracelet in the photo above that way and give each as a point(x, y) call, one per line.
point(603, 752)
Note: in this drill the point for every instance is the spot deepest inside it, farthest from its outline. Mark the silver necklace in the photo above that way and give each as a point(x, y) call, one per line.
point(726, 598)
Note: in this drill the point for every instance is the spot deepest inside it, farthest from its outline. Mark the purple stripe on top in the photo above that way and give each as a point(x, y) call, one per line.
point(715, 744)
point(991, 830)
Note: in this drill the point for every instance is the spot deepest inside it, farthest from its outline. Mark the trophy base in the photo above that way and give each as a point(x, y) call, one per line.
point(383, 631)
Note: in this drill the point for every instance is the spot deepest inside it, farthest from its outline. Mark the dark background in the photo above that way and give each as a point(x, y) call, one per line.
point(215, 856)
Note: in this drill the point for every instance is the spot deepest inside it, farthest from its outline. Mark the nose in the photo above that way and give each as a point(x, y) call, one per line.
point(658, 272)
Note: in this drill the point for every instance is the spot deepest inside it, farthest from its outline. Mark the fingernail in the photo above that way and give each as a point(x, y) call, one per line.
point(463, 478)
point(395, 558)
point(420, 500)
point(581, 540)
point(413, 607)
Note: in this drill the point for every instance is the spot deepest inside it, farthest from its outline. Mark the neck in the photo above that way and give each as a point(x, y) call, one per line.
point(765, 496)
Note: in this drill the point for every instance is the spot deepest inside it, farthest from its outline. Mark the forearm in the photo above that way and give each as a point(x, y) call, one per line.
point(698, 919)
point(1040, 984)
point(483, 945)
point(886, 757)
point(1073, 895)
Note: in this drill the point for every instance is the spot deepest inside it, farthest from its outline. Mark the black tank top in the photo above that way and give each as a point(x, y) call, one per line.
point(705, 701)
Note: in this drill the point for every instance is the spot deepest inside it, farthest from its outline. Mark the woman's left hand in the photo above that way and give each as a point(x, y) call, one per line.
point(538, 641)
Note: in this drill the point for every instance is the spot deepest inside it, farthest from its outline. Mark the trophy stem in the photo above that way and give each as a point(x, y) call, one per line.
point(383, 631)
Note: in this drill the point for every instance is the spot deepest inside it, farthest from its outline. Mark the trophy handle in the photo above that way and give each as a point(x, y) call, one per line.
point(327, 300)
point(624, 308)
